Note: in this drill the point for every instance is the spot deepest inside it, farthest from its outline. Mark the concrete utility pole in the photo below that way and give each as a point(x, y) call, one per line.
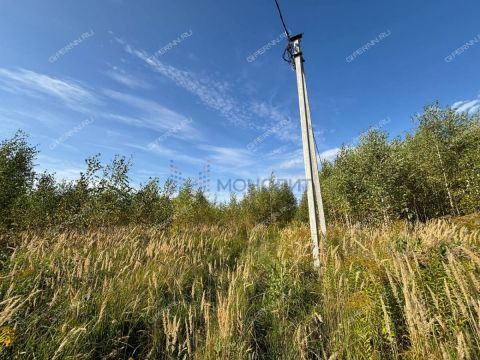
point(314, 194)
point(294, 56)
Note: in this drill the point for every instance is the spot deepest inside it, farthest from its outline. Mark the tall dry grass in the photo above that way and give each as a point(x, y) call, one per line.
point(403, 293)
point(397, 292)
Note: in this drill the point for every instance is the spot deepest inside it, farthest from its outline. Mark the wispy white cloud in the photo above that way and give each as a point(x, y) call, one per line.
point(275, 152)
point(9, 123)
point(152, 115)
point(215, 95)
point(210, 93)
point(129, 80)
point(227, 156)
point(165, 153)
point(291, 164)
point(140, 112)
point(63, 169)
point(468, 106)
point(34, 84)
point(294, 159)
point(475, 109)
point(289, 160)
point(329, 154)
point(30, 117)
point(148, 113)
point(274, 116)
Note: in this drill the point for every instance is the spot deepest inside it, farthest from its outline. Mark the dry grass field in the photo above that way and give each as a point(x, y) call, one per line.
point(393, 292)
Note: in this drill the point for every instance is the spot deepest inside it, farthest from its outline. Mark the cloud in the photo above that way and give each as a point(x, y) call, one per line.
point(64, 170)
point(126, 79)
point(215, 95)
point(38, 119)
point(457, 104)
point(166, 153)
point(34, 84)
point(288, 131)
point(469, 106)
point(146, 113)
point(294, 159)
point(474, 109)
point(291, 163)
point(329, 154)
point(211, 93)
point(228, 156)
point(153, 116)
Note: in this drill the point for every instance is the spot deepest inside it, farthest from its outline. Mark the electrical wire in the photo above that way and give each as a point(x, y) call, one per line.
point(288, 53)
point(318, 152)
point(281, 18)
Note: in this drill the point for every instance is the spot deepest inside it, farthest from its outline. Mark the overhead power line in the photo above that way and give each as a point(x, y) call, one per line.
point(281, 18)
point(288, 53)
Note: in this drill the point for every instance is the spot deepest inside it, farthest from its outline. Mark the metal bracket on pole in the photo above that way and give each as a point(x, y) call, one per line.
point(314, 194)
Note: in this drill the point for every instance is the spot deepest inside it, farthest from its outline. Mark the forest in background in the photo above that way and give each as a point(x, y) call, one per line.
point(432, 172)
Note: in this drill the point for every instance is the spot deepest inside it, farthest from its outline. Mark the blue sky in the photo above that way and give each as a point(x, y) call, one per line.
point(183, 81)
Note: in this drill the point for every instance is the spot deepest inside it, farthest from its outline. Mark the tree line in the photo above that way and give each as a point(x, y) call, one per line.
point(433, 171)
point(103, 196)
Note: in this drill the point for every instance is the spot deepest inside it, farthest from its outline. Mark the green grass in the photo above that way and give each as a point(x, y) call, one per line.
point(396, 292)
